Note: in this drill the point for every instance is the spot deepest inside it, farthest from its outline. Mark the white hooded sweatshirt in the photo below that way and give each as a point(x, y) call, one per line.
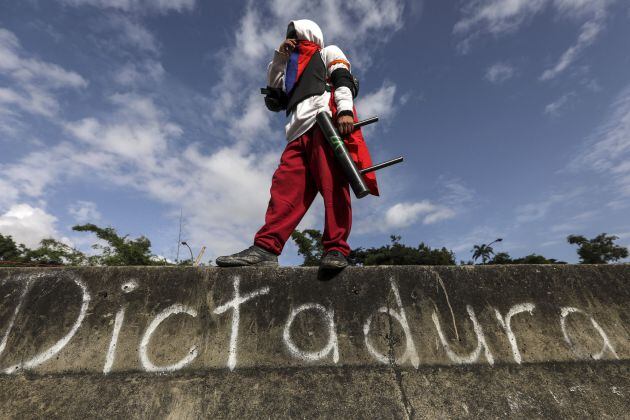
point(303, 117)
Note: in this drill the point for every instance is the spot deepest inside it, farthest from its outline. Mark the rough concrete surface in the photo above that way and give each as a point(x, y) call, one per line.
point(382, 342)
point(534, 391)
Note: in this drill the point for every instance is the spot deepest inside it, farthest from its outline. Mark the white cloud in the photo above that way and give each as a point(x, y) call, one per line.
point(554, 108)
point(551, 243)
point(253, 121)
point(504, 16)
point(499, 72)
point(33, 81)
point(26, 70)
point(591, 84)
point(574, 223)
point(137, 130)
point(31, 175)
point(84, 212)
point(133, 74)
point(533, 211)
point(27, 224)
point(380, 102)
point(133, 33)
point(367, 18)
point(595, 12)
point(31, 99)
point(589, 32)
point(454, 199)
point(608, 149)
point(501, 16)
point(8, 193)
point(496, 16)
point(223, 193)
point(455, 195)
point(439, 214)
point(406, 214)
point(538, 210)
point(142, 6)
point(582, 8)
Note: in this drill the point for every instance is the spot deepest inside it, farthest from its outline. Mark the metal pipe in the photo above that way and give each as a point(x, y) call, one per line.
point(364, 122)
point(354, 177)
point(381, 165)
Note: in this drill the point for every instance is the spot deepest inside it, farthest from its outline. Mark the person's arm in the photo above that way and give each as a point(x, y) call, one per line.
point(338, 72)
point(275, 69)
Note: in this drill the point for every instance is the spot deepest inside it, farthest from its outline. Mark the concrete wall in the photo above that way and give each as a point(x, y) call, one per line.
point(99, 322)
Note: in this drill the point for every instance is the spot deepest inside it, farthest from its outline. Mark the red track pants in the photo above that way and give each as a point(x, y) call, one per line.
point(307, 166)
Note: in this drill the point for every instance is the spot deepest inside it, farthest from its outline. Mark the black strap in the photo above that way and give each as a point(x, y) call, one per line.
point(342, 77)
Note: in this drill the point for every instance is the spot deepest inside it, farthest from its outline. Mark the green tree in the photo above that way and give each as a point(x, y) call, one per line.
point(9, 250)
point(504, 258)
point(484, 251)
point(50, 251)
point(598, 250)
point(400, 254)
point(536, 259)
point(501, 258)
point(120, 250)
point(54, 252)
point(309, 242)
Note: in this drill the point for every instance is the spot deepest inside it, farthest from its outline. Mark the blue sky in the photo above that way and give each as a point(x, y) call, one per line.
point(513, 117)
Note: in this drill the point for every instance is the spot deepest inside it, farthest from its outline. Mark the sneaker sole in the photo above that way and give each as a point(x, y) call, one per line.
point(266, 264)
point(235, 264)
point(333, 267)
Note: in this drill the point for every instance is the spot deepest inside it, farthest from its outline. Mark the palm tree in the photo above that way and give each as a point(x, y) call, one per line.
point(484, 251)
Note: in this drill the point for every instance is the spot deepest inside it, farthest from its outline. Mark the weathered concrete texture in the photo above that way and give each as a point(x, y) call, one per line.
point(562, 390)
point(375, 342)
point(542, 390)
point(64, 320)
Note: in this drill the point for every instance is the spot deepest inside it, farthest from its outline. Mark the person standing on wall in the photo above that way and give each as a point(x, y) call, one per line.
point(306, 78)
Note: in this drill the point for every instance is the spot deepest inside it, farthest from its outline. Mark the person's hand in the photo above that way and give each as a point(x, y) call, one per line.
point(345, 123)
point(287, 46)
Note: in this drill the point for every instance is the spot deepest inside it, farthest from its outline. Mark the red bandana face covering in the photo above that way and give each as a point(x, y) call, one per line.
point(298, 60)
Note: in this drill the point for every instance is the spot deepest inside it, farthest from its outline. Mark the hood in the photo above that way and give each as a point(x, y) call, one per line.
point(307, 30)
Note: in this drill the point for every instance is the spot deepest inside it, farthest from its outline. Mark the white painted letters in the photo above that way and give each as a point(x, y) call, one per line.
point(144, 344)
point(565, 311)
point(23, 315)
point(481, 341)
point(5, 338)
point(410, 354)
point(235, 305)
point(111, 351)
point(127, 287)
point(506, 323)
point(331, 346)
point(59, 345)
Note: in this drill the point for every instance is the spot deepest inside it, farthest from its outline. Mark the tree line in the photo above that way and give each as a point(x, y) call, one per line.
point(116, 250)
point(598, 250)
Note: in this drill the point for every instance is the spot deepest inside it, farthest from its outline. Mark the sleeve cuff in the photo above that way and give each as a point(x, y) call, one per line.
point(279, 61)
point(347, 112)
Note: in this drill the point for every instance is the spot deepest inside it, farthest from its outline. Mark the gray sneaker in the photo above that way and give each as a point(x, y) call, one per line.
point(333, 260)
point(254, 255)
